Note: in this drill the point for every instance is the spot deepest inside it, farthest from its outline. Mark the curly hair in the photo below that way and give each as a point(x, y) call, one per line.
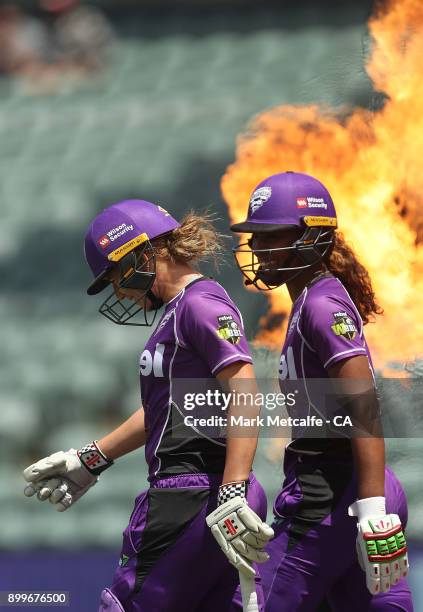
point(343, 263)
point(195, 240)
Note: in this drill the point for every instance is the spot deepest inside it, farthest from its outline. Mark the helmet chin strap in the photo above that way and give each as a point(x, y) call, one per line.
point(289, 261)
point(307, 253)
point(155, 302)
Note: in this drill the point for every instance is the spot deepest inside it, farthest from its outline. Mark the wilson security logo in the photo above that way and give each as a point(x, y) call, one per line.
point(311, 202)
point(114, 234)
point(103, 242)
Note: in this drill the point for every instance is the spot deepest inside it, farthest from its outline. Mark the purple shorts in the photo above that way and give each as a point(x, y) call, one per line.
point(169, 559)
point(313, 563)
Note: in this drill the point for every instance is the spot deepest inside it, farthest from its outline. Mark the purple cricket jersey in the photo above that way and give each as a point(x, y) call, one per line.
point(201, 331)
point(313, 563)
point(324, 327)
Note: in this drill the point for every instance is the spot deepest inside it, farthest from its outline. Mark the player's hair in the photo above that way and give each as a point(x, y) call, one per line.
point(343, 263)
point(195, 240)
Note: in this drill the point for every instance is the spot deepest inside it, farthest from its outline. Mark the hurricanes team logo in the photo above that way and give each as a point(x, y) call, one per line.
point(259, 197)
point(343, 325)
point(163, 210)
point(228, 329)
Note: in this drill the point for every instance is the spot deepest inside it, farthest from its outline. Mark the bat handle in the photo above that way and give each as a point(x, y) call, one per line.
point(248, 592)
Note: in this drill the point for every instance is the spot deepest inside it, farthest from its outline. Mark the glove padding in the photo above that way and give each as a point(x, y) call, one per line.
point(61, 478)
point(382, 551)
point(240, 533)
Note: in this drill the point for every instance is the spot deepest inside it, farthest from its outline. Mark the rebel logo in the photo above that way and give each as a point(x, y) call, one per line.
point(103, 242)
point(301, 203)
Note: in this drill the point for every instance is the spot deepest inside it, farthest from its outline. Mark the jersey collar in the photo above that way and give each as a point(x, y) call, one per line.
point(198, 278)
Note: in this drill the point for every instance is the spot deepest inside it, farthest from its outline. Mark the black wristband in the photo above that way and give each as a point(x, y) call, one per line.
point(93, 459)
point(229, 490)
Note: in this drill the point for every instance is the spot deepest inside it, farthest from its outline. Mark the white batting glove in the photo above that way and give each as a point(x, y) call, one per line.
point(381, 545)
point(240, 533)
point(64, 477)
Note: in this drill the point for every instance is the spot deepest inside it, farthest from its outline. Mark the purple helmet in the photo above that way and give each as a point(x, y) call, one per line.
point(119, 229)
point(285, 201)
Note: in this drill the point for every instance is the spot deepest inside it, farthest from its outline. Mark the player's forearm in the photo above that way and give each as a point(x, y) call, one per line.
point(240, 453)
point(369, 458)
point(241, 439)
point(356, 385)
point(129, 436)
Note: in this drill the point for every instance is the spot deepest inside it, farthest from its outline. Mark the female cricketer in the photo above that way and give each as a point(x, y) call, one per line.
point(169, 558)
point(319, 551)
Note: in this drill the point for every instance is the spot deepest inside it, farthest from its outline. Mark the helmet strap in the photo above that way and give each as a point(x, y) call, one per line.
point(155, 302)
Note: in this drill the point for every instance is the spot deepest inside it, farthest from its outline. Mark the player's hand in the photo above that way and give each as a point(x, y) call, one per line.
point(64, 477)
point(61, 478)
point(240, 533)
point(381, 545)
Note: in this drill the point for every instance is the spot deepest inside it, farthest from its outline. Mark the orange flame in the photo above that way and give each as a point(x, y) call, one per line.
point(371, 164)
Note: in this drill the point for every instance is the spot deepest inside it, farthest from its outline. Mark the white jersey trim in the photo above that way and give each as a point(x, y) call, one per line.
point(310, 403)
point(170, 395)
point(235, 306)
point(203, 435)
point(236, 357)
point(170, 383)
point(353, 306)
point(170, 401)
point(298, 323)
point(353, 350)
point(182, 291)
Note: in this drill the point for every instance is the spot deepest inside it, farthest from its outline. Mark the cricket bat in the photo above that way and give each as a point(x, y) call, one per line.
point(248, 592)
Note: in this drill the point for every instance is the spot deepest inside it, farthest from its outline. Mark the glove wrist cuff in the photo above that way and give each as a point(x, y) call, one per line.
point(93, 459)
point(229, 490)
point(369, 506)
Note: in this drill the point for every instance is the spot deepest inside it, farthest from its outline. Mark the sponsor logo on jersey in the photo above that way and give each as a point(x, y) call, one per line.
point(165, 319)
point(343, 325)
point(228, 329)
point(259, 197)
point(293, 322)
point(311, 202)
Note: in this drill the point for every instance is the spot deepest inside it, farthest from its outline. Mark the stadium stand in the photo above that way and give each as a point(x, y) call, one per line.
point(161, 122)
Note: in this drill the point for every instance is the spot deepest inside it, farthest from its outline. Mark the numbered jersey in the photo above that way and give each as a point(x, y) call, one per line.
point(200, 332)
point(324, 327)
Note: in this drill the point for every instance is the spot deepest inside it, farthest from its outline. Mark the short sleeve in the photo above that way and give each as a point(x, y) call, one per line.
point(212, 326)
point(333, 329)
